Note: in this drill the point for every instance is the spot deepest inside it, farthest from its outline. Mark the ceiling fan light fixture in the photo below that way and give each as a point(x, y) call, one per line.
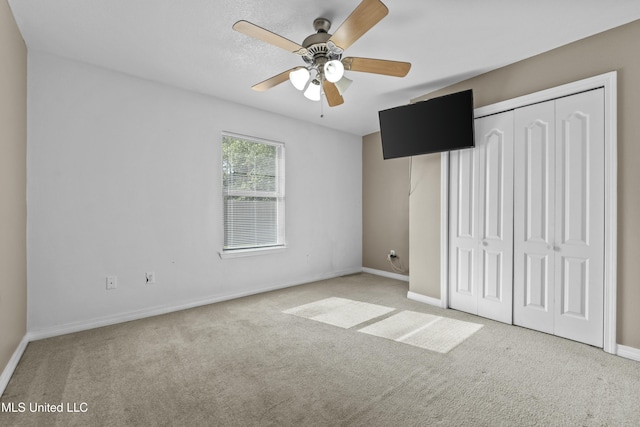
point(343, 84)
point(323, 74)
point(299, 78)
point(333, 70)
point(313, 90)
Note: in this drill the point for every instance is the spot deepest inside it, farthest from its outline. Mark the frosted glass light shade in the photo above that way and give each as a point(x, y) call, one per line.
point(333, 70)
point(343, 84)
point(313, 91)
point(299, 78)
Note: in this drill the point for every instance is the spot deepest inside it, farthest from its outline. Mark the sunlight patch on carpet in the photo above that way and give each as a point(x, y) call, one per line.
point(423, 330)
point(341, 312)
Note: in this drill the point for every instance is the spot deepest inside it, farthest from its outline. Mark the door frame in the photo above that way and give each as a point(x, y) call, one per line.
point(608, 81)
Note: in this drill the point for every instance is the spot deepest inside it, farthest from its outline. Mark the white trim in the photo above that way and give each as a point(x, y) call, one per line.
point(252, 138)
point(241, 253)
point(158, 310)
point(388, 274)
point(13, 364)
point(609, 82)
point(628, 352)
point(603, 80)
point(425, 299)
point(611, 212)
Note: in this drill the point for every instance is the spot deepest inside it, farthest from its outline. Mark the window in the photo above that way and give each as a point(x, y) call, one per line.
point(253, 193)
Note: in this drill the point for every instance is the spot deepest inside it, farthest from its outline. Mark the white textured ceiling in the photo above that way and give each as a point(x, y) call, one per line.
point(190, 43)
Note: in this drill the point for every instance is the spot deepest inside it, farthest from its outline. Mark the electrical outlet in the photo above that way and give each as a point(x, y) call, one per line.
point(151, 277)
point(112, 282)
point(392, 253)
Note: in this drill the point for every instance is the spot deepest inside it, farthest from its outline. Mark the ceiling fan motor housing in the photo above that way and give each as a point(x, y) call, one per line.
point(319, 49)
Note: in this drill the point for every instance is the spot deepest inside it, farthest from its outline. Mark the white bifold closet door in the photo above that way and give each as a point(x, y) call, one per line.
point(559, 217)
point(481, 221)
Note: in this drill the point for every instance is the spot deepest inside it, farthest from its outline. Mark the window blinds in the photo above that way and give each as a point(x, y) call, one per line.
point(253, 192)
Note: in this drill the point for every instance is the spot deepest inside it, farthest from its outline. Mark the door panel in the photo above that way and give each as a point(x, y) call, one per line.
point(492, 278)
point(463, 236)
point(573, 177)
point(574, 287)
point(536, 282)
point(537, 141)
point(533, 217)
point(495, 216)
point(481, 214)
point(494, 170)
point(580, 215)
point(466, 193)
point(465, 272)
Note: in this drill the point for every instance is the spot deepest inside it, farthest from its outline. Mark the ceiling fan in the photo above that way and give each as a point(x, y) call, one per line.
point(322, 53)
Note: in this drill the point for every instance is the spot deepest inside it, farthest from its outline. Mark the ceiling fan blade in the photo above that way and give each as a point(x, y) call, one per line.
point(267, 36)
point(331, 93)
point(377, 66)
point(273, 81)
point(362, 19)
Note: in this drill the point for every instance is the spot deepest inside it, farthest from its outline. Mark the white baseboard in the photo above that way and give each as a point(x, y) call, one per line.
point(425, 299)
point(388, 274)
point(13, 363)
point(628, 352)
point(84, 325)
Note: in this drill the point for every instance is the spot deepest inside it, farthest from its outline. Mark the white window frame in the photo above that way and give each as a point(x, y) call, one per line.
point(278, 194)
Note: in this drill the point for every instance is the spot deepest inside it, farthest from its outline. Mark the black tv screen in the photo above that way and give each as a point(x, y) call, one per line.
point(439, 124)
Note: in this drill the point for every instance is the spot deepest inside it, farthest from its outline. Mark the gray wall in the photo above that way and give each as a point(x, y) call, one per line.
point(13, 208)
point(124, 177)
point(385, 206)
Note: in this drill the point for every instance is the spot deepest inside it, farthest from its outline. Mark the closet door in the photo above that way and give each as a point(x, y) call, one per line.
point(579, 210)
point(463, 229)
point(481, 208)
point(534, 196)
point(559, 217)
point(495, 216)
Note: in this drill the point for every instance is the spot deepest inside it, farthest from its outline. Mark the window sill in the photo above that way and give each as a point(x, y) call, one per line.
point(241, 253)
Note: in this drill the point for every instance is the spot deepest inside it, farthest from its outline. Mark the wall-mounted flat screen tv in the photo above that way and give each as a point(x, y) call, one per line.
point(439, 124)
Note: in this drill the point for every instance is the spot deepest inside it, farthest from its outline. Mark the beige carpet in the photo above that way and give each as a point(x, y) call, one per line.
point(245, 363)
